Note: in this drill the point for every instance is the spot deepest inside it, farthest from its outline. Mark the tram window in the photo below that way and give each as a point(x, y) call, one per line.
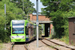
point(18, 27)
point(26, 30)
point(18, 30)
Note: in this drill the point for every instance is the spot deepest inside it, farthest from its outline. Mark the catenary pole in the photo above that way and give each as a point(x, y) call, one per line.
point(5, 14)
point(37, 23)
point(23, 4)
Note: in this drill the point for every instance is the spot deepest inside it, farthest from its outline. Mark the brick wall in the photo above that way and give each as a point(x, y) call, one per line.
point(40, 18)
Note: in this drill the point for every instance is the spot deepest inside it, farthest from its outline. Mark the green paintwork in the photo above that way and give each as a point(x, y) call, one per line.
point(18, 40)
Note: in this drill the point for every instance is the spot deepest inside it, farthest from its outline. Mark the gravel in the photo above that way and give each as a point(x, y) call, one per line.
point(63, 43)
point(56, 46)
point(6, 46)
point(19, 47)
point(32, 46)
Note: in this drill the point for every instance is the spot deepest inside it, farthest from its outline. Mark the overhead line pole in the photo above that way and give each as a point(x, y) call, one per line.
point(23, 4)
point(5, 14)
point(37, 23)
point(23, 8)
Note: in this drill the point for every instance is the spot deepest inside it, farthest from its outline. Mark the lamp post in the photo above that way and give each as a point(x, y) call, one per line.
point(37, 23)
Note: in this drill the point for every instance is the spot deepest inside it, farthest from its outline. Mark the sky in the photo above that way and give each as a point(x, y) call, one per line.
point(39, 5)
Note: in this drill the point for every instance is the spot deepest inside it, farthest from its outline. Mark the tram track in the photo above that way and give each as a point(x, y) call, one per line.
point(50, 44)
point(25, 46)
point(12, 46)
point(15, 47)
point(60, 44)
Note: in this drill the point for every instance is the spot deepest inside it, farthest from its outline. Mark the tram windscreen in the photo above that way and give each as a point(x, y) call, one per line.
point(18, 30)
point(18, 27)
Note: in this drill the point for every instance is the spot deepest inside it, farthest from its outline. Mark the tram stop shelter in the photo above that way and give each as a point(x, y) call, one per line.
point(71, 30)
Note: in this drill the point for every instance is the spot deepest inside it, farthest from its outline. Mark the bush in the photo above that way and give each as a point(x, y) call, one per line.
point(11, 14)
point(61, 25)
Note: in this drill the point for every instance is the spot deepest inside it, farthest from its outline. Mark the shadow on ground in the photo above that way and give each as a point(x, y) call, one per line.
point(21, 43)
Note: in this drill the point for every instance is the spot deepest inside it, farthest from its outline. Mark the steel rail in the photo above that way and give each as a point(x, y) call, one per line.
point(50, 45)
point(60, 44)
point(12, 47)
point(25, 47)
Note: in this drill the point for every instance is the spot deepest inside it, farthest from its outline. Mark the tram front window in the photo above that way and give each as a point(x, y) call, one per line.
point(18, 30)
point(18, 27)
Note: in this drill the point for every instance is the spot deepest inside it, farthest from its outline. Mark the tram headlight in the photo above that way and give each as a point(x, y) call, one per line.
point(12, 37)
point(23, 37)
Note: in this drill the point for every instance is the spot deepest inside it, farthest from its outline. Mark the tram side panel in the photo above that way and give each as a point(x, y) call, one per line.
point(31, 32)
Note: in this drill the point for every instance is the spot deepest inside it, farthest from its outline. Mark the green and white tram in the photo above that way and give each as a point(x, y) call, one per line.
point(18, 30)
point(23, 31)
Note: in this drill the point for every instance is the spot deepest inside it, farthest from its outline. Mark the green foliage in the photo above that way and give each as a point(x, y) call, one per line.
point(4, 34)
point(13, 12)
point(28, 5)
point(58, 22)
point(59, 11)
point(54, 5)
point(1, 46)
point(62, 23)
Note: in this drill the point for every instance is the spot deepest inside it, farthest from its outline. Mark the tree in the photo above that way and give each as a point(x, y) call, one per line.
point(12, 13)
point(54, 5)
point(28, 5)
point(56, 10)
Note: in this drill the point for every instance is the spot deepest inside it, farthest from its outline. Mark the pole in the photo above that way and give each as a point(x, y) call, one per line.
point(27, 16)
point(5, 14)
point(37, 22)
point(23, 7)
point(23, 4)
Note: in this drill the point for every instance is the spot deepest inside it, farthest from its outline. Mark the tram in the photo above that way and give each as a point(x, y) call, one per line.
point(19, 31)
point(23, 31)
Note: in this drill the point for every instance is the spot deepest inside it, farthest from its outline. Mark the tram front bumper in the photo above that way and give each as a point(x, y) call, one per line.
point(18, 40)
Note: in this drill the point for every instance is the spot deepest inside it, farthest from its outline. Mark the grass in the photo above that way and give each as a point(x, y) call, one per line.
point(52, 46)
point(1, 46)
point(50, 36)
point(65, 39)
